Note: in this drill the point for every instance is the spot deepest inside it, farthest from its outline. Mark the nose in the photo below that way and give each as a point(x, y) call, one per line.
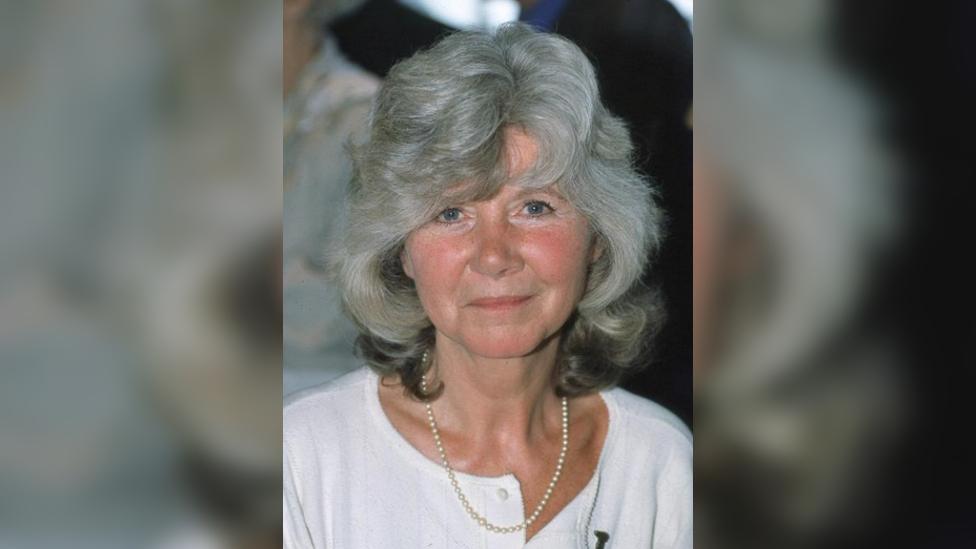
point(496, 252)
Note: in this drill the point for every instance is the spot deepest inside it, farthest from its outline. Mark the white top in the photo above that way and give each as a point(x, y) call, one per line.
point(351, 481)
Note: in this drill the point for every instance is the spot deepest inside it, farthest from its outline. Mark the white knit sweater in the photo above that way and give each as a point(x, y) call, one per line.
point(352, 481)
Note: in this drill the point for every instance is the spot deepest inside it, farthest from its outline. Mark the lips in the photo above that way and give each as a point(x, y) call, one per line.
point(499, 303)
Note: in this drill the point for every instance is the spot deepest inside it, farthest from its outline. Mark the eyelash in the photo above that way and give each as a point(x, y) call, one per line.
point(548, 209)
point(440, 216)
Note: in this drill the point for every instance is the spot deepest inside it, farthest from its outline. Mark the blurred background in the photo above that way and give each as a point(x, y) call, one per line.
point(825, 302)
point(140, 302)
point(832, 332)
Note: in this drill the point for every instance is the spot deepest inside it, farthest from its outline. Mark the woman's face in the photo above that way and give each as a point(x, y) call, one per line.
point(500, 276)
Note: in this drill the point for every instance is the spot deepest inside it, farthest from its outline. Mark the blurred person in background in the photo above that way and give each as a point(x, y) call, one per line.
point(642, 51)
point(327, 100)
point(799, 388)
point(497, 234)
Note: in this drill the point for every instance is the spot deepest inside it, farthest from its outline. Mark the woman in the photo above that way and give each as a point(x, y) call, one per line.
point(495, 237)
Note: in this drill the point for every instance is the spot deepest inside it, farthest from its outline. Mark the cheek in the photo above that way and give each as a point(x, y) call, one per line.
point(435, 266)
point(561, 256)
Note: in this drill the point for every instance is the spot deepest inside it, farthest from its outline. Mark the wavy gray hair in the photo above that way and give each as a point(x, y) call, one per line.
point(440, 119)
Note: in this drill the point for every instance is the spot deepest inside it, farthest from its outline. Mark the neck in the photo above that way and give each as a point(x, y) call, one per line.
point(299, 46)
point(510, 400)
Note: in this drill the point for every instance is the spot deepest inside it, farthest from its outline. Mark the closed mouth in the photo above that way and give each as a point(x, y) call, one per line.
point(499, 303)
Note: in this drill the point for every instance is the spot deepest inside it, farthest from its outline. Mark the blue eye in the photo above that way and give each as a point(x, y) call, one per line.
point(450, 215)
point(536, 208)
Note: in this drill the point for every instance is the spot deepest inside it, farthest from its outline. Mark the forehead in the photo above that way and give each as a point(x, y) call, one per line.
point(520, 152)
point(517, 162)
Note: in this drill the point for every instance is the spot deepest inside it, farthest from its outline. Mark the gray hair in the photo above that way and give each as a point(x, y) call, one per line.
point(439, 119)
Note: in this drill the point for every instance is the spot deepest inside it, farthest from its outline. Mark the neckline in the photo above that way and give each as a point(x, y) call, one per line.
point(414, 456)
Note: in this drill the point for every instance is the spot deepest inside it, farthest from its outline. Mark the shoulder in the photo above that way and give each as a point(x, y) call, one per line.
point(641, 419)
point(325, 410)
point(646, 474)
point(327, 397)
point(649, 452)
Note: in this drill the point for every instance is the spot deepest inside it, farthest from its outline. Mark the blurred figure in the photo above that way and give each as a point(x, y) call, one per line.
point(327, 100)
point(798, 380)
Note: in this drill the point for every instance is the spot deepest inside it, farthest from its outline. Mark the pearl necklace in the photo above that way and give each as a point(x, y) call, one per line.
point(482, 521)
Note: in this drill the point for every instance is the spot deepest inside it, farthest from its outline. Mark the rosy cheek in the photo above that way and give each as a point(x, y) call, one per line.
point(435, 261)
point(560, 252)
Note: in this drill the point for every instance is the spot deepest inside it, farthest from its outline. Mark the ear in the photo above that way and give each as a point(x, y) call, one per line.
point(406, 262)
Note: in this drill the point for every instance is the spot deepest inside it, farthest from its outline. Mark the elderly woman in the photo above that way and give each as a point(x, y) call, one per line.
point(494, 242)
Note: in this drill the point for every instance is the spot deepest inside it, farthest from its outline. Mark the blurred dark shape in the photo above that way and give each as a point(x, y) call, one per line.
point(236, 501)
point(828, 281)
point(642, 51)
point(251, 296)
point(382, 32)
point(920, 59)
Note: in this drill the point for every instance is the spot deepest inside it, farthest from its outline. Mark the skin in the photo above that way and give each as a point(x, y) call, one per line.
point(498, 279)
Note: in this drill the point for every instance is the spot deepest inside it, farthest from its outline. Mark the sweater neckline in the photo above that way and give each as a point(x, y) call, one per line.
point(415, 456)
point(434, 470)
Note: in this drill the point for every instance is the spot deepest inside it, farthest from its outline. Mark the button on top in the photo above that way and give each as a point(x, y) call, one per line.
point(502, 494)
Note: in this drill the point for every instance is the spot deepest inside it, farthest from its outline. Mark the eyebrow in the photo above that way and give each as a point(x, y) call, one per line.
point(448, 201)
